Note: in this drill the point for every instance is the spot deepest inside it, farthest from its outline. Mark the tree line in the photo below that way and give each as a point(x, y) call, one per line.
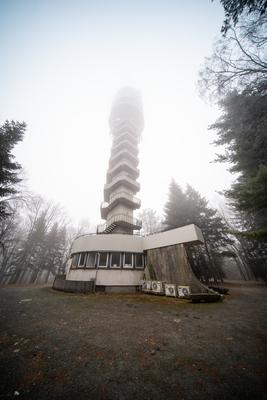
point(35, 235)
point(234, 77)
point(35, 241)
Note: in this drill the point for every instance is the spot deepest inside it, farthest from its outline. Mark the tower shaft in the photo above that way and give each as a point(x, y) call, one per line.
point(126, 124)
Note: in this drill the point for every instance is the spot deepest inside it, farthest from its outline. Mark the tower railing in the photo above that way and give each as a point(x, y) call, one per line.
point(122, 125)
point(124, 132)
point(124, 144)
point(125, 195)
point(121, 154)
point(115, 198)
point(120, 218)
point(120, 164)
point(132, 183)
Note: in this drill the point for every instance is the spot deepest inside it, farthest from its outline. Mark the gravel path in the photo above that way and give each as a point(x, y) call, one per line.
point(66, 346)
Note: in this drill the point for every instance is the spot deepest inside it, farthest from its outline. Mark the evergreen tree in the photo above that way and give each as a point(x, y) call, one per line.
point(236, 73)
point(10, 134)
point(242, 129)
point(188, 207)
point(175, 209)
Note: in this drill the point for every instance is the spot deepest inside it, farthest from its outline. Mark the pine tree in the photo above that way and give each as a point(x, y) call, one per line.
point(10, 134)
point(188, 207)
point(175, 209)
point(242, 130)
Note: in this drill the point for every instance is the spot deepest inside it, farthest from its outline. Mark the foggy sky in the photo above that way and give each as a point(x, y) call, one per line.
point(62, 63)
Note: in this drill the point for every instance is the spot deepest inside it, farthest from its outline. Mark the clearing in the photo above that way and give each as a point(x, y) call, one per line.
point(56, 345)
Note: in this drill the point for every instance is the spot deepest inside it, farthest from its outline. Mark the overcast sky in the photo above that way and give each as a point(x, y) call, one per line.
point(62, 63)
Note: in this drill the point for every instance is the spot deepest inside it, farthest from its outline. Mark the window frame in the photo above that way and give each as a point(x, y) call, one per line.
point(95, 260)
point(98, 259)
point(82, 254)
point(76, 256)
point(128, 266)
point(135, 263)
point(110, 259)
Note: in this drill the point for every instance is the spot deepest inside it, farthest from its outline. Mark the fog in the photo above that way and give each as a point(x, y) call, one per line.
point(62, 63)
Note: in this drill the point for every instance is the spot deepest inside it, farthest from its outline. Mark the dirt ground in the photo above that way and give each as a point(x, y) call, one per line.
point(67, 346)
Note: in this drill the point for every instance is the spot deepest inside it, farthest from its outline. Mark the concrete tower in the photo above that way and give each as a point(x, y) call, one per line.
point(117, 261)
point(126, 124)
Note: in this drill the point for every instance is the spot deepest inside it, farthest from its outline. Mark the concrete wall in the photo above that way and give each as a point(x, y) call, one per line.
point(107, 277)
point(137, 244)
point(185, 234)
point(170, 264)
point(120, 209)
point(108, 242)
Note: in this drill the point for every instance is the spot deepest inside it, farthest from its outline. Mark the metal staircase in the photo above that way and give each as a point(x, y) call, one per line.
point(119, 220)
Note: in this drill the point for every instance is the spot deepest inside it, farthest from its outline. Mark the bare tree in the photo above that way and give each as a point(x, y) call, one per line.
point(35, 241)
point(238, 60)
point(151, 221)
point(11, 234)
point(234, 9)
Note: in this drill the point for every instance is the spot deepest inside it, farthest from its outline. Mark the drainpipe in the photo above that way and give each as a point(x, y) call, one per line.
point(96, 270)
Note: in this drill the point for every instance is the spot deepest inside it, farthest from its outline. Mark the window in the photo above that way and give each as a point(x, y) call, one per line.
point(139, 260)
point(75, 260)
point(91, 261)
point(128, 260)
point(115, 260)
point(103, 258)
point(82, 260)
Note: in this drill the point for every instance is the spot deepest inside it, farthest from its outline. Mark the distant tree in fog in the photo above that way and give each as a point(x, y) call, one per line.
point(151, 221)
point(11, 236)
point(189, 207)
point(35, 241)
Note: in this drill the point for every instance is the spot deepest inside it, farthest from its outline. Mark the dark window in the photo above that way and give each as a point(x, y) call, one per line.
point(82, 260)
point(139, 260)
point(75, 260)
point(115, 260)
point(91, 259)
point(103, 257)
point(128, 262)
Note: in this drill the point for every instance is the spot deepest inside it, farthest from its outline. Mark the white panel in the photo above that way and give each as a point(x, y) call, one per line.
point(185, 234)
point(108, 242)
point(81, 274)
point(108, 277)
